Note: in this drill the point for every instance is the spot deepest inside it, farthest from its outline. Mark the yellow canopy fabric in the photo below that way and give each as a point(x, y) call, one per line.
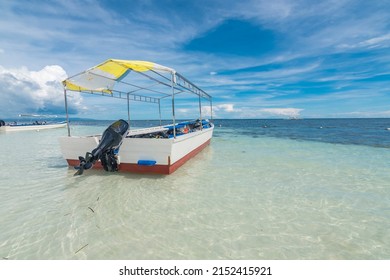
point(103, 77)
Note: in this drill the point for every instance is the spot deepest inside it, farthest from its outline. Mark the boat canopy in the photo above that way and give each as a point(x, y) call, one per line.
point(103, 77)
point(133, 80)
point(111, 77)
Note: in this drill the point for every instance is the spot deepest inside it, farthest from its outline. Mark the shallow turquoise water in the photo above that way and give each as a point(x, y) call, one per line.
point(243, 197)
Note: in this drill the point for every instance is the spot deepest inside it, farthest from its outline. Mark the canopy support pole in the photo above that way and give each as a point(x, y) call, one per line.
point(173, 106)
point(200, 112)
point(128, 109)
point(159, 110)
point(66, 111)
point(211, 109)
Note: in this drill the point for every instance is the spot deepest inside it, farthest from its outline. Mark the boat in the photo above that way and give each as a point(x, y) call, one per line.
point(36, 125)
point(159, 150)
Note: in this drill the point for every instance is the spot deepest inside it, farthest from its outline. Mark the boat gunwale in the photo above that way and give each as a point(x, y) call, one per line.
point(141, 131)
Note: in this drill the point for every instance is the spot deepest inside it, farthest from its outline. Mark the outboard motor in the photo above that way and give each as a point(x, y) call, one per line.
point(111, 140)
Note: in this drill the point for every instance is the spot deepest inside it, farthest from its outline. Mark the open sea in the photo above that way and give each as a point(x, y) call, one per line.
point(264, 189)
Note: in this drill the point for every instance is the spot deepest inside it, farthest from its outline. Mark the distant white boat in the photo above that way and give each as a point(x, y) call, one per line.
point(160, 149)
point(36, 125)
point(294, 118)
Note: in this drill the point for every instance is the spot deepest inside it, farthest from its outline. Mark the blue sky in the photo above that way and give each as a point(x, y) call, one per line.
point(258, 59)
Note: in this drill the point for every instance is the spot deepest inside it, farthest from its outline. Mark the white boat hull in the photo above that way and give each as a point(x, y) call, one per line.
point(168, 154)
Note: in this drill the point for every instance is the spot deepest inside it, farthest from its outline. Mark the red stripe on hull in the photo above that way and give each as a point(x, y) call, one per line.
point(135, 168)
point(156, 169)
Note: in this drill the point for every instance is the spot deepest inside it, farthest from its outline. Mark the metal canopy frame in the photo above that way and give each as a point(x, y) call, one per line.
point(158, 87)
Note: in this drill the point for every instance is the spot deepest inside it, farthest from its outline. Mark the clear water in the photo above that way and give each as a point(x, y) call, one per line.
point(263, 189)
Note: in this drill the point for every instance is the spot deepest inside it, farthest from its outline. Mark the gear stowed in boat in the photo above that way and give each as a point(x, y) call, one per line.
point(106, 150)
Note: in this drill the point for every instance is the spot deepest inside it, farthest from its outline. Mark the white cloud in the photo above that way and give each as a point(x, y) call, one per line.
point(229, 111)
point(375, 42)
point(284, 112)
point(220, 111)
point(182, 110)
point(25, 91)
point(225, 107)
point(364, 114)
